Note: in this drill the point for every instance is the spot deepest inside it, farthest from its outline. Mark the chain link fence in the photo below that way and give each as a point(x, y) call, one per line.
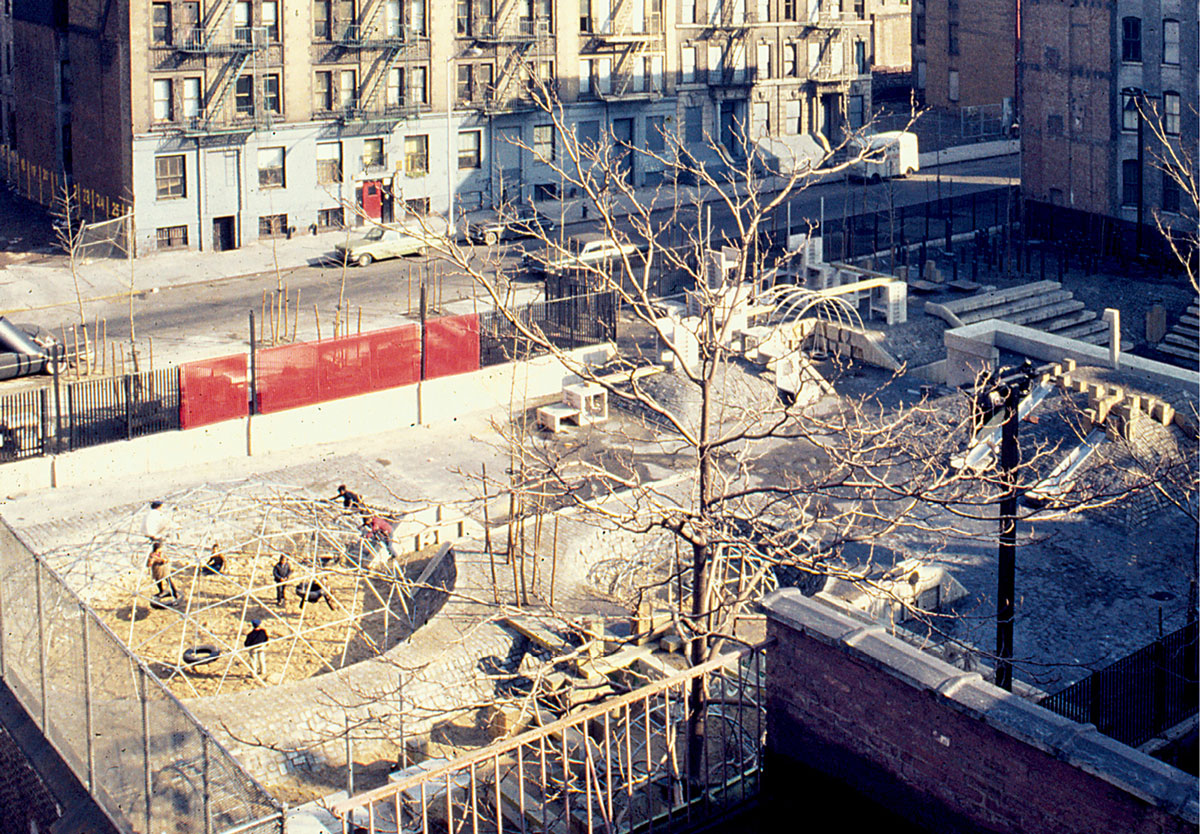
point(143, 757)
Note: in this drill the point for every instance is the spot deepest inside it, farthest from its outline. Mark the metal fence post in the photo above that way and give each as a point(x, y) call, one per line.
point(145, 743)
point(37, 586)
point(206, 784)
point(127, 389)
point(87, 703)
point(44, 418)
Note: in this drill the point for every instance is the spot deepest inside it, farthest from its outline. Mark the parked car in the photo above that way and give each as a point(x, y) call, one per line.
point(383, 242)
point(893, 153)
point(583, 250)
point(491, 226)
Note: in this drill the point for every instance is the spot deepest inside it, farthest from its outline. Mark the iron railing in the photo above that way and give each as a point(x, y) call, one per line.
point(121, 407)
point(1139, 696)
point(24, 430)
point(142, 756)
point(663, 757)
point(567, 323)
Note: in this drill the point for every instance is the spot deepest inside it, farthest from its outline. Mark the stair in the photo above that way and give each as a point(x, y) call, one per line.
point(1182, 342)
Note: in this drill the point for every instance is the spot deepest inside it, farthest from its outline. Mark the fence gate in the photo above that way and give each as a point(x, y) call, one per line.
point(121, 407)
point(24, 424)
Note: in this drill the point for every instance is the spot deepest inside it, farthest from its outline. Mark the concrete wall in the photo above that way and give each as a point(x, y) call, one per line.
point(850, 705)
point(438, 400)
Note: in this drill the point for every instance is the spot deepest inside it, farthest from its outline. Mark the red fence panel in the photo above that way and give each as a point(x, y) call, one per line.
point(312, 372)
point(451, 345)
point(212, 390)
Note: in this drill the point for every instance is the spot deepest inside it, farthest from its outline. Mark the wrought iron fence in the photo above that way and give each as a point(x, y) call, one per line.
point(143, 757)
point(662, 758)
point(1140, 695)
point(24, 428)
point(571, 322)
point(121, 407)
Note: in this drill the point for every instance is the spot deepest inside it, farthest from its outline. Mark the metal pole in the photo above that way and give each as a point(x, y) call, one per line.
point(87, 704)
point(127, 387)
point(253, 406)
point(1141, 167)
point(1006, 587)
point(145, 743)
point(37, 587)
point(57, 401)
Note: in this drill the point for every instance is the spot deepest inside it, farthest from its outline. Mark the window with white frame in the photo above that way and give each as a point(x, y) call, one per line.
point(270, 19)
point(395, 87)
point(687, 65)
point(329, 163)
point(270, 168)
point(1129, 112)
point(164, 107)
point(192, 97)
point(470, 149)
point(418, 85)
point(416, 155)
point(170, 177)
point(348, 89)
point(373, 157)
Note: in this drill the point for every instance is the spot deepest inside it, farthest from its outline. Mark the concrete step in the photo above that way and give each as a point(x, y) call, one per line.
point(1000, 297)
point(1036, 317)
point(1193, 309)
point(1084, 330)
point(1181, 340)
point(1179, 352)
point(1063, 322)
point(1010, 308)
point(1188, 322)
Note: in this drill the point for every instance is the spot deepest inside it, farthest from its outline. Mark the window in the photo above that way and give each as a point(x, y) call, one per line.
point(763, 62)
point(656, 140)
point(171, 237)
point(543, 143)
point(856, 112)
point(170, 177)
point(418, 88)
point(1130, 182)
point(789, 60)
point(585, 16)
point(164, 109)
point(688, 66)
point(464, 17)
point(348, 89)
point(416, 16)
point(466, 85)
point(329, 163)
point(418, 206)
point(470, 145)
point(271, 100)
point(952, 37)
point(372, 155)
point(270, 168)
point(1171, 113)
point(919, 26)
point(789, 9)
point(343, 18)
point(860, 57)
point(160, 23)
point(416, 155)
point(392, 25)
point(323, 91)
point(331, 218)
point(190, 19)
point(952, 92)
point(394, 94)
point(322, 20)
point(1129, 112)
point(243, 95)
point(270, 19)
point(272, 225)
point(242, 21)
point(1131, 40)
point(1170, 52)
point(1170, 192)
point(192, 96)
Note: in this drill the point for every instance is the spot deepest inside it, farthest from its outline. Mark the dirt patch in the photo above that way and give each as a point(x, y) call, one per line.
point(362, 612)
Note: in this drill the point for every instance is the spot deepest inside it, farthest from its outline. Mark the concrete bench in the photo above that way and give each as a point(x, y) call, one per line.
point(553, 416)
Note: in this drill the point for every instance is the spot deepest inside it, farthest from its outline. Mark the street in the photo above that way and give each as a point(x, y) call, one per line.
point(208, 318)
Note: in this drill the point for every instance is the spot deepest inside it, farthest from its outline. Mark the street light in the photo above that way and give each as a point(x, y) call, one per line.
point(473, 52)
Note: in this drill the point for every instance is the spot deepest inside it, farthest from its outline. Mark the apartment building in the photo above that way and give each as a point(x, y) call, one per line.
point(8, 113)
point(226, 121)
point(1093, 75)
point(965, 51)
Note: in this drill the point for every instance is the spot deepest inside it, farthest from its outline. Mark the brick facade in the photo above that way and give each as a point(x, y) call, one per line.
point(942, 748)
point(975, 39)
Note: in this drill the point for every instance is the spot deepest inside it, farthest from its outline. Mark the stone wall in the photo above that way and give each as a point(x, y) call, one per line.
point(852, 706)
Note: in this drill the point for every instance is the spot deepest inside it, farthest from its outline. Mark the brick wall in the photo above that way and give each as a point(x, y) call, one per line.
point(850, 705)
point(986, 52)
point(24, 799)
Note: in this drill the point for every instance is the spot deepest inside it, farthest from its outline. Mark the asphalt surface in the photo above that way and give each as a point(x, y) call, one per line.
point(202, 319)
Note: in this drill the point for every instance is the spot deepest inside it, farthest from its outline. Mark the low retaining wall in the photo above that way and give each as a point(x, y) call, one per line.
point(438, 400)
point(849, 705)
point(966, 153)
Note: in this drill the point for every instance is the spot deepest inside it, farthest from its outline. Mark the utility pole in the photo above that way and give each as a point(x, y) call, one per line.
point(1010, 455)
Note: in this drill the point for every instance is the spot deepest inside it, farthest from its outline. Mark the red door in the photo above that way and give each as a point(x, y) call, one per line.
point(372, 199)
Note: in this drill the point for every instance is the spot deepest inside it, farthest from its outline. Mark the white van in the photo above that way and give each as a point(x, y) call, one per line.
point(894, 153)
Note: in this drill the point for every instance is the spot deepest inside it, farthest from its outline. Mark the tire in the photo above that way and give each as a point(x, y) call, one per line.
point(308, 593)
point(199, 655)
point(165, 603)
point(364, 259)
point(491, 238)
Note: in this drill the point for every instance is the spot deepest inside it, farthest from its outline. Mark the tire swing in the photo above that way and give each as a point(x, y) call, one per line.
point(199, 655)
point(310, 591)
point(165, 603)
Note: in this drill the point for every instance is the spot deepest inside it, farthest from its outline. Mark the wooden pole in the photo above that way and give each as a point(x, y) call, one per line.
point(512, 509)
point(296, 318)
point(360, 321)
point(487, 539)
point(317, 318)
point(151, 341)
point(286, 309)
point(553, 561)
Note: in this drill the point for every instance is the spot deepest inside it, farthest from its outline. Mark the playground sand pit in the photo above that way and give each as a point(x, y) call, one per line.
point(366, 614)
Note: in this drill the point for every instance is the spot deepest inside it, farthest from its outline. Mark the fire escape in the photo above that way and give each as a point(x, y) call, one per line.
point(523, 44)
point(228, 51)
point(727, 26)
point(636, 47)
point(384, 44)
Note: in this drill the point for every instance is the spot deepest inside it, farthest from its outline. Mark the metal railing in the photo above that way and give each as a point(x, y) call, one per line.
point(570, 322)
point(1139, 696)
point(142, 756)
point(24, 428)
point(662, 757)
point(121, 407)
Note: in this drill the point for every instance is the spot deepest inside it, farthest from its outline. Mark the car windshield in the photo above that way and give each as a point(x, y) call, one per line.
point(375, 234)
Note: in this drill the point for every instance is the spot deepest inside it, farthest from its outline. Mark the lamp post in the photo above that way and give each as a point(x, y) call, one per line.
point(472, 52)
